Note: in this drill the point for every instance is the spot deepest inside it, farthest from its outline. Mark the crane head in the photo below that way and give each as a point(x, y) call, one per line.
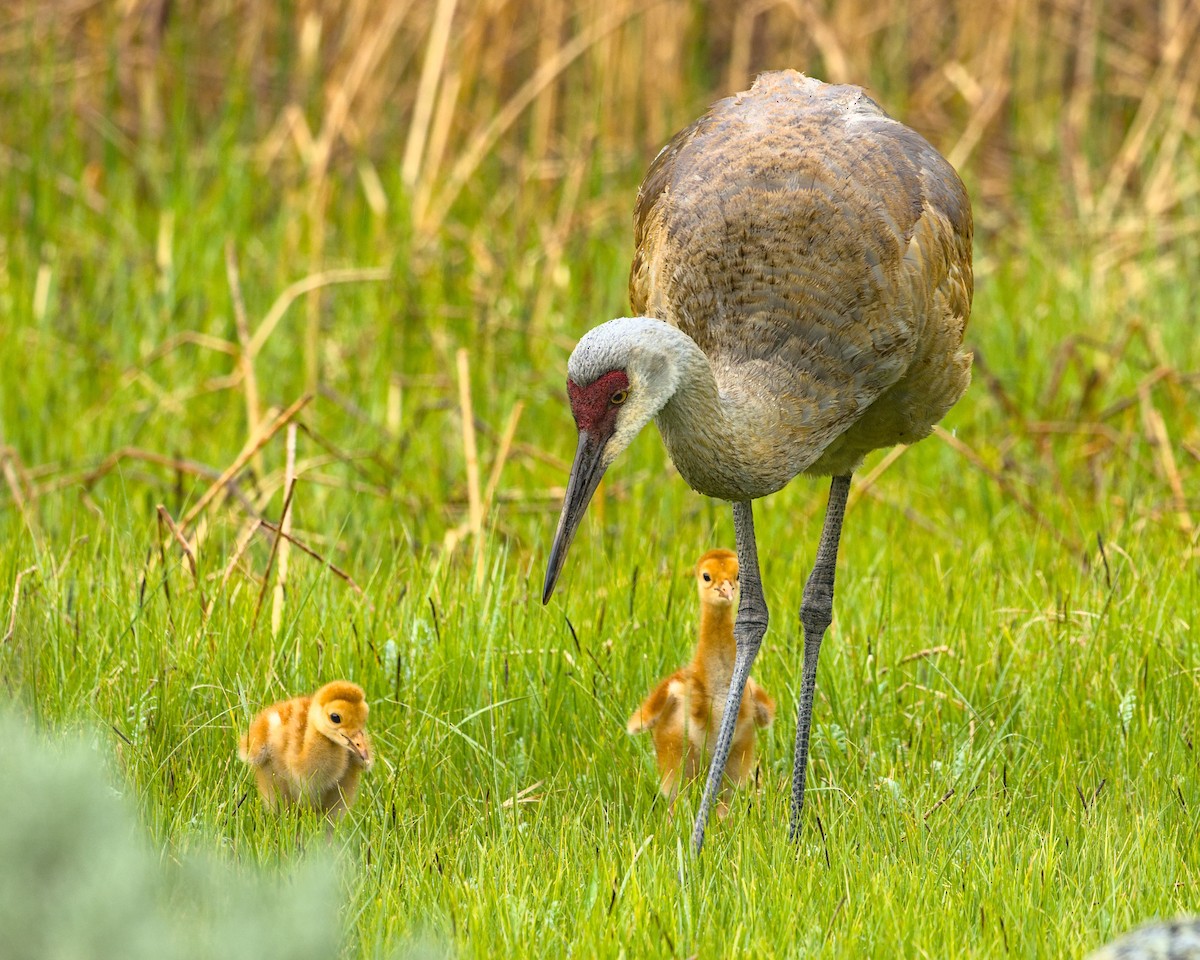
point(619, 376)
point(596, 407)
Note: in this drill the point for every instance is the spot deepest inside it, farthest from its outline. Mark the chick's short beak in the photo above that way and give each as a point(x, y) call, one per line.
point(586, 472)
point(358, 743)
point(725, 588)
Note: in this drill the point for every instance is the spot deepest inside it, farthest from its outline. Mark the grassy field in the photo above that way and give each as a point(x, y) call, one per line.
point(224, 289)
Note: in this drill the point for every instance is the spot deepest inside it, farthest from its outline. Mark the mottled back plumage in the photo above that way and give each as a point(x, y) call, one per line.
point(819, 253)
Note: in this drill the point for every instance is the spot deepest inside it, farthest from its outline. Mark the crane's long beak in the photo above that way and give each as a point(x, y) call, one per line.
point(586, 472)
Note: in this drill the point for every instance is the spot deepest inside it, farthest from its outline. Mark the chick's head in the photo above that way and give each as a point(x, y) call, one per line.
point(339, 711)
point(717, 578)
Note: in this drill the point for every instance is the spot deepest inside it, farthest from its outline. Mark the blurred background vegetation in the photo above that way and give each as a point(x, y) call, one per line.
point(453, 173)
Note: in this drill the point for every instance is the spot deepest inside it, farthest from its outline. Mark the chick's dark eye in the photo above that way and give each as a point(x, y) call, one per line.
point(707, 578)
point(335, 717)
point(620, 396)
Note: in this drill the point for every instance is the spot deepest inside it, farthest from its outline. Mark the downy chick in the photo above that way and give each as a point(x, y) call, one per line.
point(683, 712)
point(311, 750)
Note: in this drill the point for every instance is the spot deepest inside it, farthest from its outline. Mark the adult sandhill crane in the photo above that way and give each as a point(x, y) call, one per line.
point(803, 275)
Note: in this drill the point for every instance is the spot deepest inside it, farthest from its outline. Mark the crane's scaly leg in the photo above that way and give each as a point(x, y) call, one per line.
point(816, 613)
point(748, 632)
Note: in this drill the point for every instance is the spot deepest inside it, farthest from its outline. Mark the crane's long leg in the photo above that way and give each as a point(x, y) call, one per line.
point(816, 613)
point(748, 632)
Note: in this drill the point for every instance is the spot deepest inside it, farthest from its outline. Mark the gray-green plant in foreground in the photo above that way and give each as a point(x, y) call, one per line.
point(80, 879)
point(1164, 940)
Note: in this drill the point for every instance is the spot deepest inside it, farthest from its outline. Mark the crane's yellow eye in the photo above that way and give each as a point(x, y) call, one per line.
point(620, 396)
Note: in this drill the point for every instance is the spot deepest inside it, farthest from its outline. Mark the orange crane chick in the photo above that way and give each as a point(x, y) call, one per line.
point(311, 750)
point(683, 712)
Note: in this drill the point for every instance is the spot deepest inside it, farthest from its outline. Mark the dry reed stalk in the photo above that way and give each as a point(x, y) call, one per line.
point(1163, 187)
point(291, 125)
point(317, 194)
point(164, 253)
point(860, 489)
point(1180, 43)
point(552, 20)
point(274, 481)
point(506, 440)
point(341, 95)
point(455, 535)
point(164, 516)
point(262, 593)
point(486, 137)
point(7, 457)
point(1105, 58)
point(296, 290)
point(305, 548)
point(995, 387)
point(738, 69)
point(12, 477)
point(927, 652)
point(439, 138)
point(936, 694)
point(827, 38)
point(253, 445)
point(245, 535)
point(994, 90)
point(16, 598)
point(89, 477)
point(431, 72)
point(1160, 441)
point(945, 796)
point(524, 796)
point(606, 75)
point(1008, 487)
point(187, 337)
point(471, 453)
point(343, 91)
point(555, 244)
point(820, 31)
point(62, 565)
point(285, 528)
point(667, 37)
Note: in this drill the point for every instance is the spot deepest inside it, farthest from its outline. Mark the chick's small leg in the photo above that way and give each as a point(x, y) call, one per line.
point(668, 751)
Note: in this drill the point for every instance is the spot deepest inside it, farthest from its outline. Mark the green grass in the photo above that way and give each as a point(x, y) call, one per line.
point(1032, 790)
